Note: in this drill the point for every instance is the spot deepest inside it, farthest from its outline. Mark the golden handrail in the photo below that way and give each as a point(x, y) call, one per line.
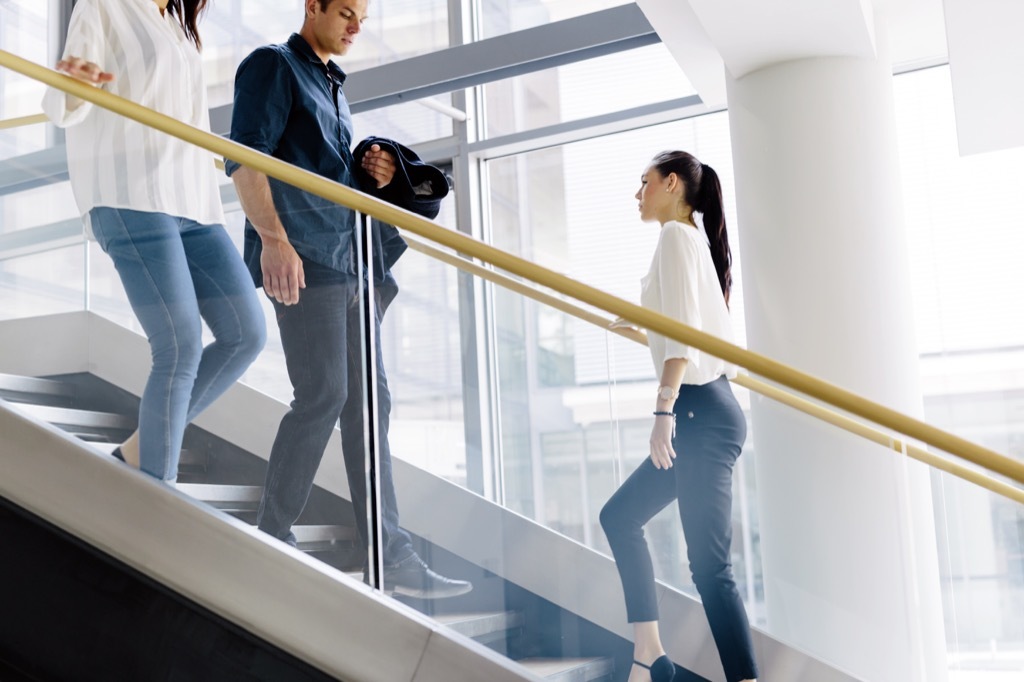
point(22, 121)
point(813, 409)
point(461, 243)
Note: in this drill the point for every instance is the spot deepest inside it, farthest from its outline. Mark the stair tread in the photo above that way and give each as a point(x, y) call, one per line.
point(188, 457)
point(34, 385)
point(313, 533)
point(481, 623)
point(221, 492)
point(569, 668)
point(75, 417)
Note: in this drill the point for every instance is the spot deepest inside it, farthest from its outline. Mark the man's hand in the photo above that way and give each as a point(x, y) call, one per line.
point(281, 265)
point(380, 165)
point(84, 71)
point(282, 271)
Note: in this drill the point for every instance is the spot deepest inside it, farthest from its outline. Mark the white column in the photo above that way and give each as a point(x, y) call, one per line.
point(847, 530)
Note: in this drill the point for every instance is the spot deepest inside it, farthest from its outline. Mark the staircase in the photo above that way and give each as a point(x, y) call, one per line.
point(228, 479)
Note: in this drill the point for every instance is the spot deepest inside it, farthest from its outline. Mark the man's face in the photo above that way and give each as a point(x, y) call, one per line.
point(336, 27)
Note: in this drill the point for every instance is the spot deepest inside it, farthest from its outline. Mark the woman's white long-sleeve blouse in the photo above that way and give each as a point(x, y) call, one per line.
point(114, 161)
point(683, 284)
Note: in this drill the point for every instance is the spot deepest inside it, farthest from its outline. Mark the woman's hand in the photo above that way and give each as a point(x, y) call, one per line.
point(662, 452)
point(84, 71)
point(620, 323)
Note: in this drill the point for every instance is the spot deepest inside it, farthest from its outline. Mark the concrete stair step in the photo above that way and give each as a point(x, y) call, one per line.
point(570, 669)
point(190, 462)
point(323, 538)
point(22, 389)
point(228, 498)
point(79, 421)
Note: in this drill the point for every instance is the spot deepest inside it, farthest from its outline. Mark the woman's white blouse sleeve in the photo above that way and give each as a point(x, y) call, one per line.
point(678, 263)
point(86, 40)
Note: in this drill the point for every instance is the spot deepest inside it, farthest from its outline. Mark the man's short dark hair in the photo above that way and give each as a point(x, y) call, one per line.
point(324, 4)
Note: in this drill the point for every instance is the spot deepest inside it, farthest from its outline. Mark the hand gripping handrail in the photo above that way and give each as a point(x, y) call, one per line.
point(461, 243)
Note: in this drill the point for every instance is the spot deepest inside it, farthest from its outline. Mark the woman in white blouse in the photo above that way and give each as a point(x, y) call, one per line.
point(698, 429)
point(153, 205)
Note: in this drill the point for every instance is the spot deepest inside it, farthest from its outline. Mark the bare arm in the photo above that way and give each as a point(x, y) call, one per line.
point(662, 452)
point(282, 267)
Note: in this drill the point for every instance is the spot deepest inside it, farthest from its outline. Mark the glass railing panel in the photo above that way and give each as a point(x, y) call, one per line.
point(424, 359)
point(574, 419)
point(43, 283)
point(981, 545)
point(981, 563)
point(23, 30)
point(42, 203)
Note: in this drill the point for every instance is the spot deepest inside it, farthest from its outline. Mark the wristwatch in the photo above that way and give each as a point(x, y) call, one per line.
point(667, 393)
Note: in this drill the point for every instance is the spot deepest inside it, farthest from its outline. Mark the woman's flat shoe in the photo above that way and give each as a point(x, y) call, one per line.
point(662, 670)
point(117, 453)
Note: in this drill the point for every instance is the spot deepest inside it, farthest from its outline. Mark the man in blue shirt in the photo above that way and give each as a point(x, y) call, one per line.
point(301, 250)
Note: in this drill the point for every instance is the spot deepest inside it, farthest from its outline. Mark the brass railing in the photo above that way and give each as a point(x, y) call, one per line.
point(641, 317)
point(22, 121)
point(802, 404)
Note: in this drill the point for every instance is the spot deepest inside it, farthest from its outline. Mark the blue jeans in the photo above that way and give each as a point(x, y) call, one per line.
point(177, 273)
point(710, 430)
point(321, 336)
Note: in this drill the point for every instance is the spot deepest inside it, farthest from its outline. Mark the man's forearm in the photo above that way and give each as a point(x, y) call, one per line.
point(253, 190)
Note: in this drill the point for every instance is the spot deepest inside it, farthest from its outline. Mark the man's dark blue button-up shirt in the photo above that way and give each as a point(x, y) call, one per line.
point(289, 104)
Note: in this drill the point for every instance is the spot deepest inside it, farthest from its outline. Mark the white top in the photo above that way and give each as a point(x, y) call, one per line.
point(683, 284)
point(114, 161)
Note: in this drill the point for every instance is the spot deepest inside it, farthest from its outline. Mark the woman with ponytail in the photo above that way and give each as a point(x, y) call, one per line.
point(698, 429)
point(153, 204)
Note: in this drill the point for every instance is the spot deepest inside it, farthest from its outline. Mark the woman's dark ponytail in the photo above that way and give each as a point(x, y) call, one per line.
point(187, 13)
point(709, 204)
point(704, 195)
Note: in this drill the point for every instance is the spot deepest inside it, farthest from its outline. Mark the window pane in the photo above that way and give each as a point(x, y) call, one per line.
point(603, 85)
point(393, 30)
point(966, 235)
point(23, 31)
point(505, 16)
point(408, 123)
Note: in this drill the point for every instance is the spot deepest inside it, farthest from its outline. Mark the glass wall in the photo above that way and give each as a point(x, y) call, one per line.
point(575, 401)
point(966, 231)
point(570, 402)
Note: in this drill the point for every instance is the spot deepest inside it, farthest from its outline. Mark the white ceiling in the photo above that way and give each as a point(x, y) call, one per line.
point(745, 35)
